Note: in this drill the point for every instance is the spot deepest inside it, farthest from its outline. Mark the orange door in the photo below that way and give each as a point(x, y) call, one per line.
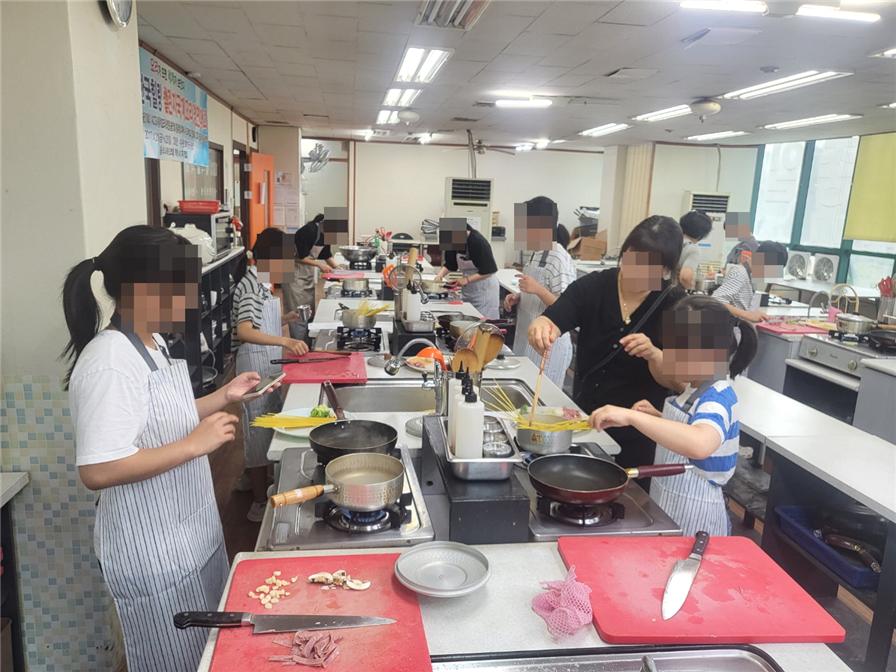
point(261, 207)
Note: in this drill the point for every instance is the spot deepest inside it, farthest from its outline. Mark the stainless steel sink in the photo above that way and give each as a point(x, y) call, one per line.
point(396, 396)
point(731, 659)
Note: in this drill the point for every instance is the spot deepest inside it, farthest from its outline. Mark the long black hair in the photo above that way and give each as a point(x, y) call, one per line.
point(272, 243)
point(137, 254)
point(713, 329)
point(658, 236)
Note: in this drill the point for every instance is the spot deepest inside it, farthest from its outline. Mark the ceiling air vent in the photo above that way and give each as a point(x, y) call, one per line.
point(460, 14)
point(316, 117)
point(381, 133)
point(632, 73)
point(469, 120)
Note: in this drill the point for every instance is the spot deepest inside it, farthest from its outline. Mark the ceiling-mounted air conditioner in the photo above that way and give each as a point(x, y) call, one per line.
point(712, 248)
point(472, 200)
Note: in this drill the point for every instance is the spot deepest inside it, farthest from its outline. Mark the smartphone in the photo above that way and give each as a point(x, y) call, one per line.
point(264, 386)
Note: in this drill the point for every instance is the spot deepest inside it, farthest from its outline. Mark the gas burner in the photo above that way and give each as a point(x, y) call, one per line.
point(358, 521)
point(356, 293)
point(359, 340)
point(845, 337)
point(581, 515)
point(360, 266)
point(437, 296)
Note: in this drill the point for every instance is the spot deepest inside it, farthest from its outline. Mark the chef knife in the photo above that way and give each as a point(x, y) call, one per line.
point(273, 622)
point(682, 577)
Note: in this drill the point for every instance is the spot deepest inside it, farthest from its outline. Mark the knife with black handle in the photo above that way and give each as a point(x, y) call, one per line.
point(682, 577)
point(273, 622)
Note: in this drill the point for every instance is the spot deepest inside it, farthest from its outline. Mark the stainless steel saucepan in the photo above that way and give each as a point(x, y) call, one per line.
point(542, 442)
point(355, 284)
point(355, 319)
point(358, 252)
point(854, 324)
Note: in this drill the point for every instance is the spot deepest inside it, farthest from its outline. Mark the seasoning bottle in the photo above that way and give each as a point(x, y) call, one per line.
point(455, 393)
point(470, 418)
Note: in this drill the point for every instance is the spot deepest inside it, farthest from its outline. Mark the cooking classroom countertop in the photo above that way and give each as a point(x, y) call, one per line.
point(308, 395)
point(812, 285)
point(479, 623)
point(853, 461)
point(325, 317)
point(11, 483)
point(887, 366)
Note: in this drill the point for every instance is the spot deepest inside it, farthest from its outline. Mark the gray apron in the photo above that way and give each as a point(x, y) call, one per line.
point(300, 292)
point(159, 541)
point(528, 308)
point(485, 294)
point(691, 500)
point(254, 357)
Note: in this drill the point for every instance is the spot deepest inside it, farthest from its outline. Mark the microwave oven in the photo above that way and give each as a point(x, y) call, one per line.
point(219, 226)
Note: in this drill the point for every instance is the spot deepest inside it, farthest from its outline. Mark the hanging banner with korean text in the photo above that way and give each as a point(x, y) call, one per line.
point(175, 114)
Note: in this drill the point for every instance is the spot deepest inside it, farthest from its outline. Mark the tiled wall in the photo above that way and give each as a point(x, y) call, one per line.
point(67, 612)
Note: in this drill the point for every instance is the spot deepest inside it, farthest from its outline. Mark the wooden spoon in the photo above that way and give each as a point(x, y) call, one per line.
point(465, 359)
point(480, 346)
point(493, 349)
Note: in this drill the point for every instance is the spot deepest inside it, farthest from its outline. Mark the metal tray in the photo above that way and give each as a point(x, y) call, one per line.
point(442, 569)
point(484, 468)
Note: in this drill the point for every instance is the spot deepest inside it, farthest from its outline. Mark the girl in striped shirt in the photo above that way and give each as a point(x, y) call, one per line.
point(700, 425)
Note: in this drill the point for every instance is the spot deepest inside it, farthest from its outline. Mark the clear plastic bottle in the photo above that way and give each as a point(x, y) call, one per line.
point(455, 395)
point(470, 418)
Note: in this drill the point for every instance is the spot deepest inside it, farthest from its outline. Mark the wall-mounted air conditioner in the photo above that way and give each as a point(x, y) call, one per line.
point(712, 248)
point(471, 199)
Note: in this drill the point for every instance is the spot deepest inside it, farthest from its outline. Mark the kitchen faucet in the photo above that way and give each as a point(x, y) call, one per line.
point(438, 375)
point(812, 301)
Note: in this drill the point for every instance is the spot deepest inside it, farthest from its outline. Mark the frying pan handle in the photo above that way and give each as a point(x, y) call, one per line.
point(652, 470)
point(301, 495)
point(330, 391)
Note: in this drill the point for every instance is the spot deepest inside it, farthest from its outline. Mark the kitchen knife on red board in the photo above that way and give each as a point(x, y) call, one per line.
point(274, 622)
point(682, 577)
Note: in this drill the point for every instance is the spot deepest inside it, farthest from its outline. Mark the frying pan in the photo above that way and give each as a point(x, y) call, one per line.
point(583, 479)
point(360, 482)
point(348, 437)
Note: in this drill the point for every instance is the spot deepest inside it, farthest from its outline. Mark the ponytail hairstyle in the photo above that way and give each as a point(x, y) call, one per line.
point(272, 243)
point(702, 322)
point(138, 254)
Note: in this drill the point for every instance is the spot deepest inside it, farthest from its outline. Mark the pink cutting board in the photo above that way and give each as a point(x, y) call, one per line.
point(785, 328)
point(347, 369)
point(398, 647)
point(740, 595)
point(344, 275)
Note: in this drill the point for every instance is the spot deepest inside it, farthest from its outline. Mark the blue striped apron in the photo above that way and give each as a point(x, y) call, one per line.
point(159, 541)
point(255, 357)
point(690, 500)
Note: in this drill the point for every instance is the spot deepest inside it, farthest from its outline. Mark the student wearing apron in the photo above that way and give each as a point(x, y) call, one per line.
point(258, 340)
point(142, 440)
point(311, 256)
point(477, 264)
point(699, 426)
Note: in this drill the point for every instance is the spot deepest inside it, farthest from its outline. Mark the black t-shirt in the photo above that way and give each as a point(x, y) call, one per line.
point(592, 304)
point(309, 236)
point(478, 251)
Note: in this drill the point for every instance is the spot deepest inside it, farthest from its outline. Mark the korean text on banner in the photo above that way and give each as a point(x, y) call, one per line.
point(175, 114)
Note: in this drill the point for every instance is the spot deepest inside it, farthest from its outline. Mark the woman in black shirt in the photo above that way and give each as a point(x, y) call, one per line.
point(618, 312)
point(311, 255)
point(477, 263)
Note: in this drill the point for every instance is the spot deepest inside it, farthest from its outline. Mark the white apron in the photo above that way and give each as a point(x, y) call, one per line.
point(527, 309)
point(300, 292)
point(254, 357)
point(159, 541)
point(485, 294)
point(690, 500)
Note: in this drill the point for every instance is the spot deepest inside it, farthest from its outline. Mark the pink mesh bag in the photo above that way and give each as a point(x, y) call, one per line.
point(565, 605)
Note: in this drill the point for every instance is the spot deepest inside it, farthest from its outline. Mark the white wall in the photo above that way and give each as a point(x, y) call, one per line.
point(397, 186)
point(679, 168)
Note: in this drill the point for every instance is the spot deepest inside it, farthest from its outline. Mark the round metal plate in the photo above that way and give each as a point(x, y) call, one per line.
point(504, 364)
point(442, 569)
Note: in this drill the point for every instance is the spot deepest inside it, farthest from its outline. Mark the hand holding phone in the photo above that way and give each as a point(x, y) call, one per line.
point(263, 386)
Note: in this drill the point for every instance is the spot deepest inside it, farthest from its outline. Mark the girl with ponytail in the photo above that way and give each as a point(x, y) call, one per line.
point(700, 425)
point(142, 440)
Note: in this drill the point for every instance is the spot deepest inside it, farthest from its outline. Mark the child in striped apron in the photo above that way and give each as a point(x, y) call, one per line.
point(700, 425)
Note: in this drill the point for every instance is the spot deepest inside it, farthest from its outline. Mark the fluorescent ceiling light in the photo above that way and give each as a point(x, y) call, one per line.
point(811, 121)
point(886, 53)
point(752, 6)
point(829, 12)
point(368, 133)
point(524, 147)
point(557, 142)
point(386, 117)
point(522, 103)
point(424, 138)
point(890, 106)
point(408, 97)
point(542, 143)
point(606, 129)
point(392, 97)
point(785, 84)
point(715, 136)
point(668, 113)
point(421, 65)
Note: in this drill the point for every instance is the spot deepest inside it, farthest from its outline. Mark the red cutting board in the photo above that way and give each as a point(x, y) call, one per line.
point(786, 328)
point(344, 275)
point(399, 647)
point(740, 595)
point(347, 369)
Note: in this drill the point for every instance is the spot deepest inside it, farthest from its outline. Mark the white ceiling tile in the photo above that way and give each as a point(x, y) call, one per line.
point(395, 18)
point(640, 12)
point(431, 36)
point(290, 55)
point(221, 62)
point(198, 46)
point(458, 71)
point(567, 57)
point(280, 36)
point(274, 12)
point(329, 8)
point(334, 50)
point(296, 69)
point(380, 43)
point(536, 44)
point(261, 73)
point(331, 27)
point(570, 80)
point(569, 18)
point(518, 7)
point(479, 49)
point(171, 19)
point(499, 28)
point(218, 19)
point(250, 59)
point(507, 63)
